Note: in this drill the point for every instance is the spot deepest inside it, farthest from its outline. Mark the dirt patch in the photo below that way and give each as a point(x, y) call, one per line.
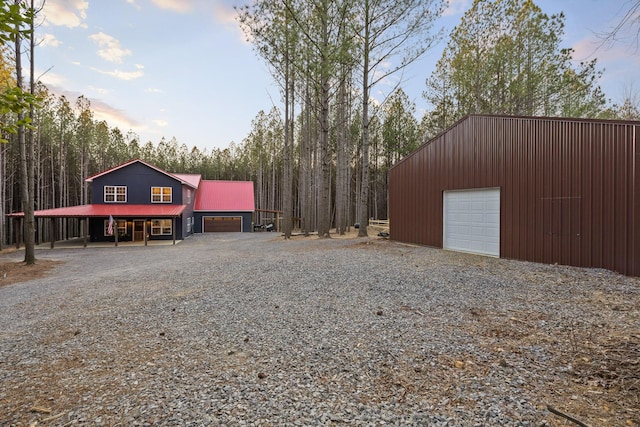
point(17, 271)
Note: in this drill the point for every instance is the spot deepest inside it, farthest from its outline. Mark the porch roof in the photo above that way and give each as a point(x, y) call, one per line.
point(104, 210)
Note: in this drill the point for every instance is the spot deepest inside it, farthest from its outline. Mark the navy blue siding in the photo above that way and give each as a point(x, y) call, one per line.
point(188, 211)
point(138, 179)
point(96, 229)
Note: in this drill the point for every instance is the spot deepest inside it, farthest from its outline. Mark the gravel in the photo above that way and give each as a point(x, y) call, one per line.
point(252, 330)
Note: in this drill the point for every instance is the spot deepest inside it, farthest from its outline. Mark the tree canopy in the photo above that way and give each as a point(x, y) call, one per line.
point(505, 57)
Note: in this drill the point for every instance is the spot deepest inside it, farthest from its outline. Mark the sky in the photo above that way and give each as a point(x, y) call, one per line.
point(183, 69)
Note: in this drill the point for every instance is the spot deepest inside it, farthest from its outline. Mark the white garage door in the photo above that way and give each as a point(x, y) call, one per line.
point(472, 221)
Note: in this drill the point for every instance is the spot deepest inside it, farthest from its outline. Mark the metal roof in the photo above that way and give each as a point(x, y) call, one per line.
point(189, 178)
point(225, 196)
point(104, 210)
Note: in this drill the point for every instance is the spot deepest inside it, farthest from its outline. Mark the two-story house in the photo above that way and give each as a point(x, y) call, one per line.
point(139, 202)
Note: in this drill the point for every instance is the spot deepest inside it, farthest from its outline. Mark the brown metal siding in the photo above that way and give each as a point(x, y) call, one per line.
point(569, 188)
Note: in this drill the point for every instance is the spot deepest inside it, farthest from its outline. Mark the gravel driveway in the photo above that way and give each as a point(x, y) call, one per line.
point(249, 329)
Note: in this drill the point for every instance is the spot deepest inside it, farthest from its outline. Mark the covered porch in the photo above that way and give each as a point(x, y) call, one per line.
point(134, 224)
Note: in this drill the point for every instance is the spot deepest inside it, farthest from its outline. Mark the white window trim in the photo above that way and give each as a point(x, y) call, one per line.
point(114, 194)
point(160, 224)
point(120, 227)
point(162, 195)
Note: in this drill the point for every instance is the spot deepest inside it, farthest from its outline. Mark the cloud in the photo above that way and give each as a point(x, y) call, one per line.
point(51, 79)
point(617, 57)
point(134, 4)
point(101, 110)
point(153, 90)
point(587, 48)
point(113, 116)
point(110, 49)
point(121, 75)
point(67, 13)
point(99, 90)
point(456, 7)
point(180, 6)
point(49, 40)
point(160, 123)
point(225, 14)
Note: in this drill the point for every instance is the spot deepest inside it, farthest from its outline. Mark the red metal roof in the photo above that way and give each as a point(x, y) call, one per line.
point(191, 179)
point(104, 210)
point(236, 196)
point(188, 179)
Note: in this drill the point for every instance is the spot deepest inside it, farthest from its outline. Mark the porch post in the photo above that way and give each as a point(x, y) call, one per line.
point(52, 232)
point(173, 220)
point(86, 231)
point(17, 225)
point(144, 230)
point(115, 229)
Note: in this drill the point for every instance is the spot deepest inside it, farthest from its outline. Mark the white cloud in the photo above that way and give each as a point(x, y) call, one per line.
point(110, 49)
point(99, 90)
point(68, 13)
point(102, 111)
point(122, 75)
point(52, 79)
point(134, 4)
point(591, 47)
point(160, 123)
point(224, 13)
point(49, 40)
point(456, 7)
point(113, 116)
point(153, 90)
point(180, 6)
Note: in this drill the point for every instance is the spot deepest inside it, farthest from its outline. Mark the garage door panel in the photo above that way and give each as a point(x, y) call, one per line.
point(472, 221)
point(222, 224)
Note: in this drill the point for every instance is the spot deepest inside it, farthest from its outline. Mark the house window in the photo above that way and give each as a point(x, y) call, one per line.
point(120, 225)
point(115, 194)
point(161, 194)
point(161, 227)
point(188, 196)
point(189, 224)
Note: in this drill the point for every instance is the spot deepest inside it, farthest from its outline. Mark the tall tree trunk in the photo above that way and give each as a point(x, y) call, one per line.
point(31, 147)
point(26, 166)
point(3, 193)
point(287, 169)
point(325, 157)
point(325, 164)
point(302, 181)
point(342, 186)
point(306, 170)
point(364, 189)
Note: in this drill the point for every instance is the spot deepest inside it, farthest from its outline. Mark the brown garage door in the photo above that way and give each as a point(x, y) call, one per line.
point(220, 224)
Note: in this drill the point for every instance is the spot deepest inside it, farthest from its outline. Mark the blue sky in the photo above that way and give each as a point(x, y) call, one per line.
point(182, 68)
